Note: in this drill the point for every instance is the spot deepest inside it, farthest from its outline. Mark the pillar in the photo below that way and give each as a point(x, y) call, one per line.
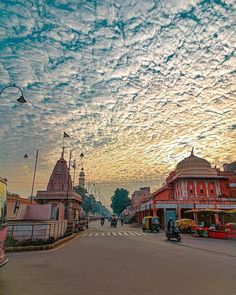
point(179, 213)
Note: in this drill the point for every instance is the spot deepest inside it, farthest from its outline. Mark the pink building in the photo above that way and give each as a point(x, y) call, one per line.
point(139, 197)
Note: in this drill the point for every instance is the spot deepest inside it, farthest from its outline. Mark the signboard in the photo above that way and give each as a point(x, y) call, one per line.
point(166, 206)
point(3, 192)
point(186, 206)
point(226, 206)
point(204, 206)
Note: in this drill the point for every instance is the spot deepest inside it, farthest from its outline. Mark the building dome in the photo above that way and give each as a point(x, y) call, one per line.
point(194, 166)
point(191, 162)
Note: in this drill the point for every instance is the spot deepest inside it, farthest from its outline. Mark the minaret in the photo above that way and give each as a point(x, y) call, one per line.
point(81, 178)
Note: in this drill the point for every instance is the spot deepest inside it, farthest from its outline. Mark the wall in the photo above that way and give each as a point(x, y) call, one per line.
point(24, 230)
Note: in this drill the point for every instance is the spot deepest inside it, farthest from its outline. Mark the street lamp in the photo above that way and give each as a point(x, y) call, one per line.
point(68, 180)
point(35, 167)
point(21, 99)
point(74, 165)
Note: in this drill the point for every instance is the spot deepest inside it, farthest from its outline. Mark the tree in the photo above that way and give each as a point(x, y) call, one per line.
point(89, 204)
point(120, 200)
point(81, 191)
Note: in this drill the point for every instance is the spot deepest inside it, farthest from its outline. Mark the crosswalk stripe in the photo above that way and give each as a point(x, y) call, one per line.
point(132, 234)
point(115, 234)
point(138, 234)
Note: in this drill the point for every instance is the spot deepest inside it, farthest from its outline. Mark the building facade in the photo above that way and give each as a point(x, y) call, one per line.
point(194, 184)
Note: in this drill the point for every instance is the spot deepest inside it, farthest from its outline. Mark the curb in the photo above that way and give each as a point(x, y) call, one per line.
point(41, 247)
point(208, 250)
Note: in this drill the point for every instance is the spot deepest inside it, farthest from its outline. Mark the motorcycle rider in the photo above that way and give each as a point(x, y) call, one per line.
point(170, 225)
point(172, 230)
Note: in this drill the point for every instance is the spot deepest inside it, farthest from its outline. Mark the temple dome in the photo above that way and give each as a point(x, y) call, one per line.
point(60, 179)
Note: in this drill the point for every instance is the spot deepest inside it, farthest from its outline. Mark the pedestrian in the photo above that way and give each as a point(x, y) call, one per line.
point(122, 221)
point(102, 221)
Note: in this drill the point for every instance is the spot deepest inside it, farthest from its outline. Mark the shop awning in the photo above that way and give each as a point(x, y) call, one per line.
point(233, 211)
point(210, 210)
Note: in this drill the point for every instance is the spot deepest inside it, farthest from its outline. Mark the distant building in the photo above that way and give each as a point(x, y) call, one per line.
point(231, 167)
point(82, 178)
point(139, 197)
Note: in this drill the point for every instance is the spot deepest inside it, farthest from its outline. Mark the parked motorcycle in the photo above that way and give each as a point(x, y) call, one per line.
point(173, 233)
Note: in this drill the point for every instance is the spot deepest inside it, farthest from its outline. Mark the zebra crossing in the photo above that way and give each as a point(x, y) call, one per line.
point(115, 234)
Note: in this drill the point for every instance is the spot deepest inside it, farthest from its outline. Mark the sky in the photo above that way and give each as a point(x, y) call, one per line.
point(136, 84)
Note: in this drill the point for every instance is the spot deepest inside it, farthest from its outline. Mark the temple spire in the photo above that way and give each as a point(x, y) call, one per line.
point(65, 135)
point(62, 152)
point(192, 154)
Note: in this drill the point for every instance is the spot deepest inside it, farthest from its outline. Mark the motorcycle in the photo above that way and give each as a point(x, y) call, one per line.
point(173, 233)
point(114, 222)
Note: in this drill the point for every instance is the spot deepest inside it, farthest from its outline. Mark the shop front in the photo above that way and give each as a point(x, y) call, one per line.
point(3, 220)
point(166, 211)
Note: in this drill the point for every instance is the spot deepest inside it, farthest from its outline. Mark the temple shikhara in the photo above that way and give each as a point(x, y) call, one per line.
point(192, 186)
point(60, 193)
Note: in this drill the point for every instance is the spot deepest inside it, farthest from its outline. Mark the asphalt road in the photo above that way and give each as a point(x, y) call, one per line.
point(107, 261)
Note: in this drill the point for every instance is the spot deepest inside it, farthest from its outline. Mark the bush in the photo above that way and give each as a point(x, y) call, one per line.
point(36, 242)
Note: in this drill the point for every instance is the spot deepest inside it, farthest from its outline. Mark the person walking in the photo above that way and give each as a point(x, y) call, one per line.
point(122, 221)
point(102, 221)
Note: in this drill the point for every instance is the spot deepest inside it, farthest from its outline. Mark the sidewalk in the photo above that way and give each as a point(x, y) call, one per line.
point(226, 247)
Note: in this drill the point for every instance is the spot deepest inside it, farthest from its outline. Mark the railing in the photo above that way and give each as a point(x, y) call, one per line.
point(36, 231)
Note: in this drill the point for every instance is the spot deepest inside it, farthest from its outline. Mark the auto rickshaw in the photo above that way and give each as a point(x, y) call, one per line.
point(151, 223)
point(185, 225)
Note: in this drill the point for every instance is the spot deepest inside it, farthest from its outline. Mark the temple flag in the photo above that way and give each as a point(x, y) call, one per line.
point(65, 135)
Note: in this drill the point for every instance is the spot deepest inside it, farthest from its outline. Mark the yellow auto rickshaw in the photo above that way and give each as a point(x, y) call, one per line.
point(151, 223)
point(185, 225)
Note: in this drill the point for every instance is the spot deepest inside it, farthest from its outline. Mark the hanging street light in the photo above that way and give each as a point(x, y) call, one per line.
point(21, 99)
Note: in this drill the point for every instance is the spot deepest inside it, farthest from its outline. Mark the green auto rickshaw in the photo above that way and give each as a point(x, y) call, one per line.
point(151, 223)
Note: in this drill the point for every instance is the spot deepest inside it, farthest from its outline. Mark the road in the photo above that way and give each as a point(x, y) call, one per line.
point(107, 261)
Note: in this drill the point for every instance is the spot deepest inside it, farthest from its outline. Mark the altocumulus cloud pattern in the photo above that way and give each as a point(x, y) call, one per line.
point(136, 83)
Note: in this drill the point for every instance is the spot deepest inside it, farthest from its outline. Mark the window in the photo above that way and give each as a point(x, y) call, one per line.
point(201, 191)
point(16, 207)
point(191, 191)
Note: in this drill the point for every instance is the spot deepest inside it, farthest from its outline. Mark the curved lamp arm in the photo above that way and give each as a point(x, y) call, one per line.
point(21, 99)
point(31, 148)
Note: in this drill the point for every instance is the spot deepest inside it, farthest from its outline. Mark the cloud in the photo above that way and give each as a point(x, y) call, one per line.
point(138, 82)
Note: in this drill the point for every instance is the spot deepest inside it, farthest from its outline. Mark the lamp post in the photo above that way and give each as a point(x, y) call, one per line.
point(68, 179)
point(21, 99)
point(74, 166)
point(35, 168)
